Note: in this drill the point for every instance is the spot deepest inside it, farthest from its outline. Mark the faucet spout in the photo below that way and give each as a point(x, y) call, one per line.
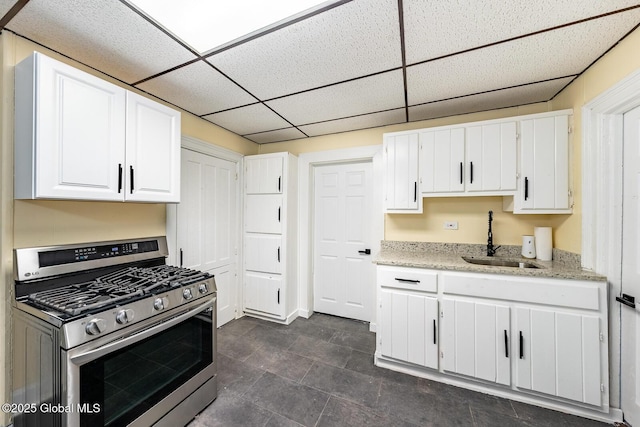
point(491, 250)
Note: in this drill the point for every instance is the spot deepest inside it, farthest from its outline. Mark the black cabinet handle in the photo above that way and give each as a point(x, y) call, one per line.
point(279, 208)
point(181, 257)
point(461, 169)
point(521, 346)
point(471, 177)
point(415, 191)
point(435, 331)
point(279, 183)
point(365, 252)
point(119, 177)
point(407, 280)
point(627, 300)
point(278, 296)
point(506, 344)
point(278, 253)
point(131, 176)
point(526, 188)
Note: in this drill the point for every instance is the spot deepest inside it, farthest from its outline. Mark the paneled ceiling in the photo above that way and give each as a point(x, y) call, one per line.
point(361, 64)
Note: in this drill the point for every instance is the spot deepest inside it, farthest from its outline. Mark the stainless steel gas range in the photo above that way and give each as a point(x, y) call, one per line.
point(107, 334)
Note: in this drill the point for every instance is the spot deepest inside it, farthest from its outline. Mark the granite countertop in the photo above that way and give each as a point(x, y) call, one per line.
point(448, 256)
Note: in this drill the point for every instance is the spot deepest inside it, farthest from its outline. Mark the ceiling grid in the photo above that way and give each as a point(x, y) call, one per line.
point(356, 64)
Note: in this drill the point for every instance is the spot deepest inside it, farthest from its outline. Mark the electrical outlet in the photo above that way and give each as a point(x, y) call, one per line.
point(451, 225)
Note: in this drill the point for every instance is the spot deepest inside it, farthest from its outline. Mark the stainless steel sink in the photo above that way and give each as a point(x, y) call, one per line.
point(499, 262)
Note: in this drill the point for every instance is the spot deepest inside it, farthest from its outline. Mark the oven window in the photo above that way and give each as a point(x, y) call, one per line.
point(128, 382)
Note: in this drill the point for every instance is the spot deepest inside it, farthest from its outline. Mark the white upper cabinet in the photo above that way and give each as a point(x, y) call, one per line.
point(153, 151)
point(264, 175)
point(544, 166)
point(79, 137)
point(402, 194)
point(443, 164)
point(472, 159)
point(491, 158)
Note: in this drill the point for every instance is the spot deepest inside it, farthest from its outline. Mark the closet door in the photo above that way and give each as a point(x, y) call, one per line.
point(207, 237)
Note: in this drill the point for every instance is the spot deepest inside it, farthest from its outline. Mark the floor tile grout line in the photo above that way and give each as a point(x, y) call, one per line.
point(322, 412)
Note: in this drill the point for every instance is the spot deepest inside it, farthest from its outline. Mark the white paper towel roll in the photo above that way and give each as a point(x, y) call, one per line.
point(544, 243)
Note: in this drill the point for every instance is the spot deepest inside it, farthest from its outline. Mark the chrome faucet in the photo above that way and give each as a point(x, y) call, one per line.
point(491, 250)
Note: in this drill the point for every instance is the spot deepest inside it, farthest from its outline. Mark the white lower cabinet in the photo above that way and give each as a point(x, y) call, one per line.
point(559, 354)
point(539, 340)
point(409, 327)
point(264, 293)
point(475, 340)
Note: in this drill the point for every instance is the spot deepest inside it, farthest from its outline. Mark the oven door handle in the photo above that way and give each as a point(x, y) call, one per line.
point(88, 356)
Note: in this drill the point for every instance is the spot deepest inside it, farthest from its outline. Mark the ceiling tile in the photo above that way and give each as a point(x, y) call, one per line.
point(557, 53)
point(489, 21)
point(377, 93)
point(5, 5)
point(348, 41)
point(106, 35)
point(276, 136)
point(353, 123)
point(247, 120)
point(198, 88)
point(537, 92)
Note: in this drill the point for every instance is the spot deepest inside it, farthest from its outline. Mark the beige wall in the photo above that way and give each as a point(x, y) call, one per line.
point(471, 213)
point(34, 223)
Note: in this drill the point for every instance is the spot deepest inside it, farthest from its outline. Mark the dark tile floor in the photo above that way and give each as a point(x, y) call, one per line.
point(319, 372)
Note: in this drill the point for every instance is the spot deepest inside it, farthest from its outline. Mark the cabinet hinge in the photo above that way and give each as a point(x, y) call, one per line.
point(236, 176)
point(442, 355)
point(570, 130)
point(602, 387)
point(601, 337)
point(442, 314)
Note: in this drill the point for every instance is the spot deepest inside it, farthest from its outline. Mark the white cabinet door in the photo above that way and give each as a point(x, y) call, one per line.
point(264, 293)
point(80, 137)
point(153, 151)
point(401, 174)
point(476, 340)
point(491, 157)
point(544, 186)
point(206, 224)
point(544, 176)
point(264, 175)
point(559, 354)
point(263, 214)
point(409, 327)
point(263, 252)
point(69, 132)
point(442, 161)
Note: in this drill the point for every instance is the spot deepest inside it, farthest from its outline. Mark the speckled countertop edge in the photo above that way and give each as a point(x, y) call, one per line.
point(448, 256)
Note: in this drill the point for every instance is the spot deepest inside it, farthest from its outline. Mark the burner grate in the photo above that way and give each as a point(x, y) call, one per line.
point(116, 287)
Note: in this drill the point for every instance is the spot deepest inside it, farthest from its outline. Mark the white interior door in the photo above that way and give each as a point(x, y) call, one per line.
point(207, 224)
point(344, 278)
point(630, 329)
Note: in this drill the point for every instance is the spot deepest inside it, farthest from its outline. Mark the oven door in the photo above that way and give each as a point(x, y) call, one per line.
point(139, 378)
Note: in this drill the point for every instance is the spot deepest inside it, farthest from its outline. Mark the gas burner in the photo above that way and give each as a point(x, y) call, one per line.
point(116, 287)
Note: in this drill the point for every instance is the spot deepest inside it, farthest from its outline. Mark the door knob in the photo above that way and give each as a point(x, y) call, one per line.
point(365, 252)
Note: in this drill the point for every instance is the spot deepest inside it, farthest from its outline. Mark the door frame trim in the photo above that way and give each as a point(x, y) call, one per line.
point(602, 185)
point(306, 164)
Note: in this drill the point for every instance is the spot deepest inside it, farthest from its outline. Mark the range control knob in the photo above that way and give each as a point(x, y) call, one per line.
point(95, 326)
point(202, 288)
point(160, 303)
point(124, 316)
point(187, 294)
